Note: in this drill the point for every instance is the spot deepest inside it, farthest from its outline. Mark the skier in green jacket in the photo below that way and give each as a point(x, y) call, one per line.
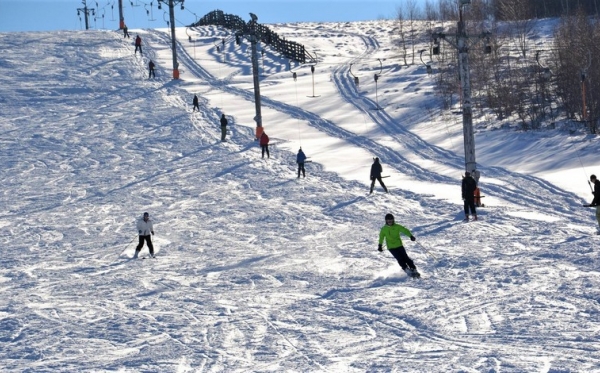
point(391, 233)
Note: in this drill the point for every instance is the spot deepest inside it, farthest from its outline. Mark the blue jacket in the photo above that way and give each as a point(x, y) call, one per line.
point(300, 158)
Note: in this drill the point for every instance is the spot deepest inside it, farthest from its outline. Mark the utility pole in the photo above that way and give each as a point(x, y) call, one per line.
point(121, 17)
point(253, 35)
point(86, 12)
point(171, 5)
point(462, 45)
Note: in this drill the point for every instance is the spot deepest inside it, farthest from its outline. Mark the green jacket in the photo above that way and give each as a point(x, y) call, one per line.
point(391, 233)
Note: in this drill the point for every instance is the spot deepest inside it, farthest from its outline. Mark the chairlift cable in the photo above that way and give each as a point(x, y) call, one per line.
point(297, 118)
point(584, 171)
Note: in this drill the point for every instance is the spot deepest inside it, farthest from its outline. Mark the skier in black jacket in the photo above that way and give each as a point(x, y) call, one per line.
point(223, 127)
point(376, 171)
point(596, 200)
point(468, 195)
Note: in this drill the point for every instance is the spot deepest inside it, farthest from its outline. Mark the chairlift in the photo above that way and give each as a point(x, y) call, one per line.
point(112, 12)
point(312, 70)
point(150, 13)
point(427, 65)
point(376, 77)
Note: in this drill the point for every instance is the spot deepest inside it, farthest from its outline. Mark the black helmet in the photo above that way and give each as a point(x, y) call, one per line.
point(146, 215)
point(467, 173)
point(389, 217)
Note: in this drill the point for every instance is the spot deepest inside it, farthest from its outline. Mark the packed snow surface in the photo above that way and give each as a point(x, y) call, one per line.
point(257, 270)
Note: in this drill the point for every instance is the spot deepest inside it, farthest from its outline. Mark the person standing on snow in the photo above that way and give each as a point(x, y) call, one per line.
point(151, 73)
point(195, 103)
point(468, 195)
point(145, 230)
point(376, 171)
point(138, 44)
point(596, 200)
point(300, 158)
point(125, 32)
point(391, 233)
point(264, 144)
point(223, 127)
point(476, 174)
point(477, 193)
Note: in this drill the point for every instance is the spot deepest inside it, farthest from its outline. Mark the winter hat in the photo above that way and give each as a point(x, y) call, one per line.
point(467, 173)
point(389, 217)
point(146, 214)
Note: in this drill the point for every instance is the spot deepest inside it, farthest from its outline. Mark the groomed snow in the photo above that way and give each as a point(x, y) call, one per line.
point(258, 271)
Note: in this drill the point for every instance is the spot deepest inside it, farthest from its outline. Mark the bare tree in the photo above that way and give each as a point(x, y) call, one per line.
point(413, 13)
point(402, 33)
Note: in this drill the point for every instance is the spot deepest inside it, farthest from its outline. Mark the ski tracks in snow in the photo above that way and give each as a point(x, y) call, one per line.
point(476, 325)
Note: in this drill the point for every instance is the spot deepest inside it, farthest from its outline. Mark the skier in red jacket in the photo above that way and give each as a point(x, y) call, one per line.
point(264, 144)
point(138, 44)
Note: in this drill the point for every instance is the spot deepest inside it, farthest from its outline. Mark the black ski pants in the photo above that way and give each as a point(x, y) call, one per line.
point(223, 131)
point(151, 74)
point(470, 205)
point(402, 257)
point(301, 169)
point(378, 178)
point(265, 148)
point(148, 240)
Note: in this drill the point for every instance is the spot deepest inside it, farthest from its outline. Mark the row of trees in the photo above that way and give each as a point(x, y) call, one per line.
point(511, 10)
point(543, 8)
point(510, 73)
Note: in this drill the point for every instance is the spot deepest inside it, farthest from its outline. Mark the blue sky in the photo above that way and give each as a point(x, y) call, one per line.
point(44, 15)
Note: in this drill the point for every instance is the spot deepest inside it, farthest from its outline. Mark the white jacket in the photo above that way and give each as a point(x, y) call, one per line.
point(145, 228)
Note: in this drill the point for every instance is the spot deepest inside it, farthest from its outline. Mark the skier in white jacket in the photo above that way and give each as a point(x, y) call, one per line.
point(145, 230)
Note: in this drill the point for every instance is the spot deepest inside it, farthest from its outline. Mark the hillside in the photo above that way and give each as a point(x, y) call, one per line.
point(258, 270)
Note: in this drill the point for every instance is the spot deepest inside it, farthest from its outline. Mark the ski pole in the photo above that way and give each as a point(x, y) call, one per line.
point(426, 251)
point(130, 242)
point(383, 177)
point(584, 171)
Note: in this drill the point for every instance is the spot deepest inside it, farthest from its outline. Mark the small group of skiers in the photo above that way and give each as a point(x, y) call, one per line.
point(470, 194)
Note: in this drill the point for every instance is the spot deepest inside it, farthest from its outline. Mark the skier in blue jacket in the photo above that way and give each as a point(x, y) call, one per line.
point(300, 158)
